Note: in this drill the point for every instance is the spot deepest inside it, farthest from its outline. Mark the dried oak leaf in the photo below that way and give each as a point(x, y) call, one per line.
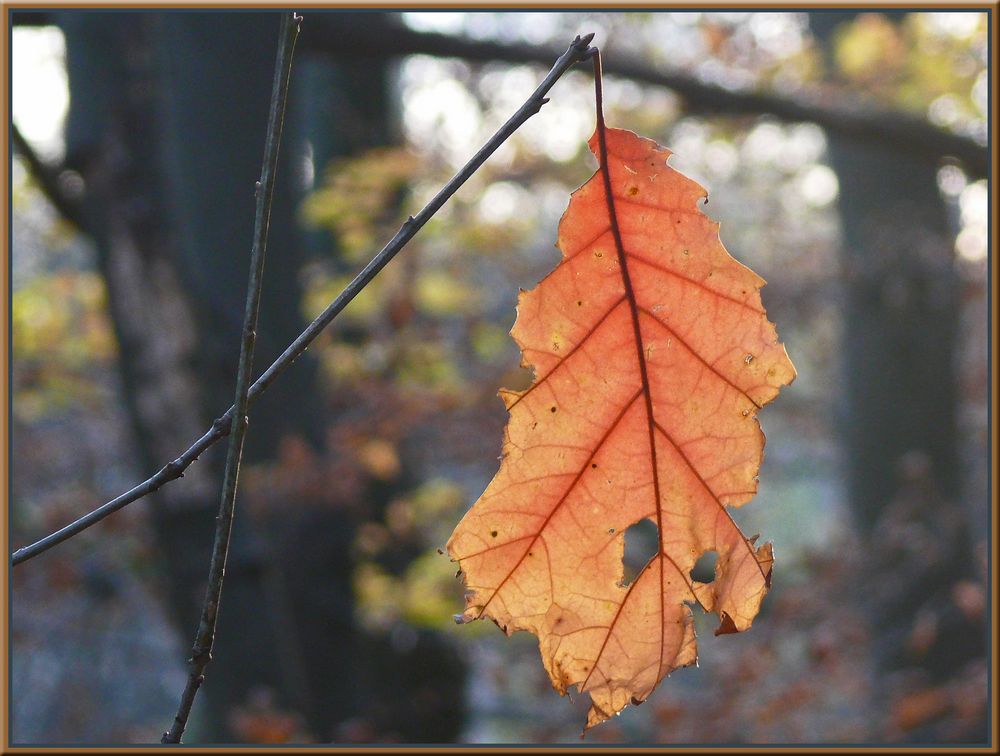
point(652, 354)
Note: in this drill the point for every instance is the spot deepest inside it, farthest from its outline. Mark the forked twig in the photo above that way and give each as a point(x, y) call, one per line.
point(578, 50)
point(201, 653)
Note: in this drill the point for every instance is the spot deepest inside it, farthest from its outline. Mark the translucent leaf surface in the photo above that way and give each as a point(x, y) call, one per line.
point(652, 355)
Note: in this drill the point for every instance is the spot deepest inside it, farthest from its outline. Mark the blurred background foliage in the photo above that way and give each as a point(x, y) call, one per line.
point(369, 458)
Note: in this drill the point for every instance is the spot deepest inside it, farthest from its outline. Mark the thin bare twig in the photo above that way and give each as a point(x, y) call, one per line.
point(577, 51)
point(201, 652)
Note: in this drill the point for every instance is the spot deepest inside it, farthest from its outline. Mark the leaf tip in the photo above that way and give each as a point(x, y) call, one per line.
point(727, 626)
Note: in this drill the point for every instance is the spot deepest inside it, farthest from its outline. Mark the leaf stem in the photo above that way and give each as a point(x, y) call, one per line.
point(578, 50)
point(201, 652)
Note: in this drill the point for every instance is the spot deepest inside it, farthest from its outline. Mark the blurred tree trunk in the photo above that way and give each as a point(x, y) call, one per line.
point(901, 313)
point(166, 126)
point(899, 421)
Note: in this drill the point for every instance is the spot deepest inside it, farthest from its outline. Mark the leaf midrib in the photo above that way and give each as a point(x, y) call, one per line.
point(635, 309)
point(643, 373)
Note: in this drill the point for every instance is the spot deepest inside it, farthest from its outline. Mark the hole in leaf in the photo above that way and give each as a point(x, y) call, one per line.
point(704, 569)
point(641, 544)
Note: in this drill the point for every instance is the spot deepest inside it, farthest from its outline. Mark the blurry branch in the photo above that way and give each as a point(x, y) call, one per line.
point(577, 51)
point(201, 651)
point(71, 206)
point(892, 129)
point(47, 178)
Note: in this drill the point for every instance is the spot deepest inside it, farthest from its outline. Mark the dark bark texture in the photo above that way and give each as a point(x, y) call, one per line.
point(166, 126)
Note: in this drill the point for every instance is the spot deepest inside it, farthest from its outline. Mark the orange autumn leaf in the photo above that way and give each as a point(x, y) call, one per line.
point(652, 354)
